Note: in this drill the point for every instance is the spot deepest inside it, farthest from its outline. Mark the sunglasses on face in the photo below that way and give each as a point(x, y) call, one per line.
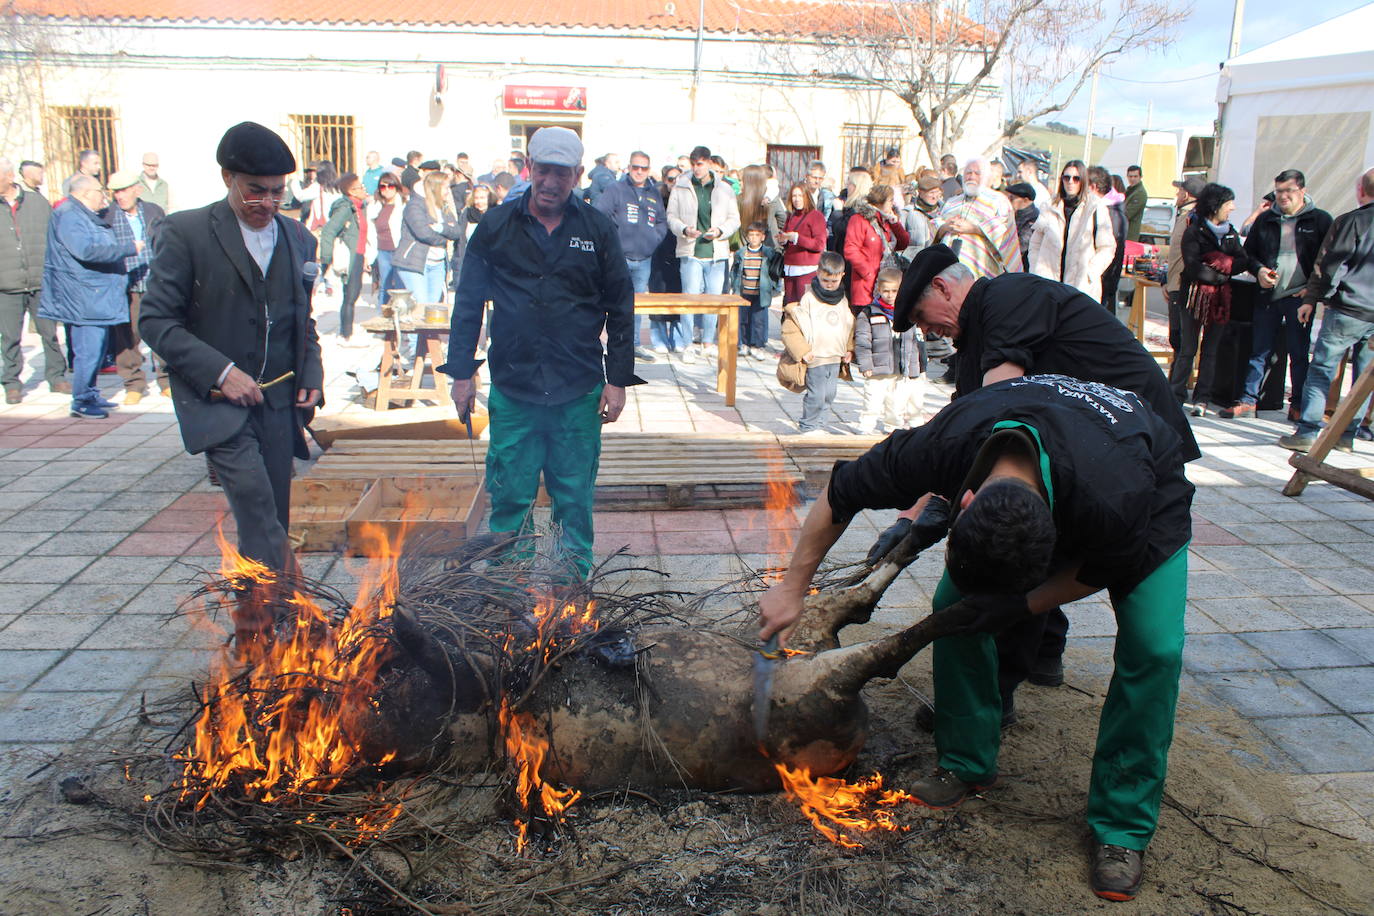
point(1073, 178)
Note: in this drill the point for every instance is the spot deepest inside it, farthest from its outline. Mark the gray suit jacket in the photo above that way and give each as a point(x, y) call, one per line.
point(201, 312)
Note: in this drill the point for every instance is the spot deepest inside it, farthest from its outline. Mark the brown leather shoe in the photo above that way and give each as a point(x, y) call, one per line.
point(61, 386)
point(14, 395)
point(1236, 412)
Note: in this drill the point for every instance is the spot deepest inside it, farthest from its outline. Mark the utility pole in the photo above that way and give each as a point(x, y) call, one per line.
point(1092, 112)
point(1149, 114)
point(696, 54)
point(1236, 18)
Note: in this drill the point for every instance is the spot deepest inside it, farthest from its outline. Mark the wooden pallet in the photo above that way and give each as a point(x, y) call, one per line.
point(348, 515)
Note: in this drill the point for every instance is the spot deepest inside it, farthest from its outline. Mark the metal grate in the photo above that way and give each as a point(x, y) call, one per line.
point(77, 128)
point(328, 137)
point(789, 163)
point(864, 144)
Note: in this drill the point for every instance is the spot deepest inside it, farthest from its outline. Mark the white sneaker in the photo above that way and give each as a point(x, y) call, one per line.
point(689, 355)
point(356, 342)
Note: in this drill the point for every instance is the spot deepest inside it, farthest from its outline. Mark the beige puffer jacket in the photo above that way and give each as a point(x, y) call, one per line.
point(1091, 245)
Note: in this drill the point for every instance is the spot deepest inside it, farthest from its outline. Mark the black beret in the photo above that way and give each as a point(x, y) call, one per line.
point(1022, 189)
point(251, 149)
point(398, 162)
point(924, 267)
point(430, 165)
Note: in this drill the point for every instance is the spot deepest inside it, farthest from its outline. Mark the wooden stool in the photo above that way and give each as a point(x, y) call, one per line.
point(399, 382)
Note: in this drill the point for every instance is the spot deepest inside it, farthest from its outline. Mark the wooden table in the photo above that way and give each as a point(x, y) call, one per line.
point(726, 308)
point(395, 384)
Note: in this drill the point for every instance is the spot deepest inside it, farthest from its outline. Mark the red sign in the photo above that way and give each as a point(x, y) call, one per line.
point(546, 98)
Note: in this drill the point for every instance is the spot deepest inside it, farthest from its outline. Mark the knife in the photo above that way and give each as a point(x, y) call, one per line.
point(765, 659)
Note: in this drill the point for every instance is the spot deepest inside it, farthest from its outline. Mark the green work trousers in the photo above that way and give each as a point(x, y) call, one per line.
point(561, 441)
point(1137, 722)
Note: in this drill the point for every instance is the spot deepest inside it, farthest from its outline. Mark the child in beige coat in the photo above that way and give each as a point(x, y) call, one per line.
point(818, 336)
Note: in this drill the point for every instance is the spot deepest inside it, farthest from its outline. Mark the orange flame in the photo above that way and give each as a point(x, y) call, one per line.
point(834, 806)
point(528, 750)
point(292, 722)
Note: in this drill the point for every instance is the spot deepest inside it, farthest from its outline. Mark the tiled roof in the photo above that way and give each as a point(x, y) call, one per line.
point(750, 16)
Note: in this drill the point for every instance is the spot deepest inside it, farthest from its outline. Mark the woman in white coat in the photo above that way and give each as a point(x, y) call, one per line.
point(1073, 241)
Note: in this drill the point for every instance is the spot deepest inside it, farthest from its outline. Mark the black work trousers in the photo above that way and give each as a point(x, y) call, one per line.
point(14, 308)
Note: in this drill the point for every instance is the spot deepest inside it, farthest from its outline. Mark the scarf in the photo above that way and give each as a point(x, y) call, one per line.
point(1212, 303)
point(828, 296)
point(927, 209)
point(887, 310)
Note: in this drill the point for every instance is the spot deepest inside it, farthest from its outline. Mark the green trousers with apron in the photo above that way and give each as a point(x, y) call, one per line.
point(1137, 722)
point(563, 443)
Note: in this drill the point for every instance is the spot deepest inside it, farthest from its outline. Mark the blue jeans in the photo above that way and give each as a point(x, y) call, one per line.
point(639, 279)
point(385, 281)
point(701, 275)
point(427, 287)
point(1338, 333)
point(753, 322)
point(1265, 331)
point(88, 350)
point(822, 382)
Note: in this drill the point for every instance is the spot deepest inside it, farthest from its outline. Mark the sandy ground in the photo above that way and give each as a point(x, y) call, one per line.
point(1231, 840)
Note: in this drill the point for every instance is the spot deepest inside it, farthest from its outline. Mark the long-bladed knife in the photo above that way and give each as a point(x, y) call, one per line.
point(765, 659)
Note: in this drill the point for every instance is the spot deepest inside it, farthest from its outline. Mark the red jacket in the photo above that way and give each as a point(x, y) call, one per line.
point(810, 229)
point(863, 250)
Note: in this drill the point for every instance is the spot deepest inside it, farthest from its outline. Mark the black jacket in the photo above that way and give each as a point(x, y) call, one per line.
point(1343, 275)
point(552, 296)
point(1198, 240)
point(1120, 500)
point(23, 241)
point(638, 215)
point(1311, 228)
point(1045, 326)
point(202, 311)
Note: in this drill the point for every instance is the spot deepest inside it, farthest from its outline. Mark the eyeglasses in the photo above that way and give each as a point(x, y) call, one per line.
point(272, 197)
point(638, 168)
point(1073, 178)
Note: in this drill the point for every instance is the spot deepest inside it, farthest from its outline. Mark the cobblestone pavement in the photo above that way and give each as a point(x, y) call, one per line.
point(104, 522)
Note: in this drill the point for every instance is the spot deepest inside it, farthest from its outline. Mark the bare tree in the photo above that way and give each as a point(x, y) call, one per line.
point(943, 58)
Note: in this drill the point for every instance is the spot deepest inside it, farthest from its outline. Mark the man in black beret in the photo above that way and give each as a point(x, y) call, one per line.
point(228, 309)
point(1019, 324)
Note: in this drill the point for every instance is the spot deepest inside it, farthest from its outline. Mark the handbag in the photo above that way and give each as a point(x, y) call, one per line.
point(341, 258)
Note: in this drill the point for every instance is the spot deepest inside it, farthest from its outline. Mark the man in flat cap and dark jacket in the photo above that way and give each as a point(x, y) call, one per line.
point(228, 309)
point(1019, 324)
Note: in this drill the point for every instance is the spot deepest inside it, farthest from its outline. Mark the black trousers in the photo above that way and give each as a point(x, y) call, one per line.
point(1037, 643)
point(14, 307)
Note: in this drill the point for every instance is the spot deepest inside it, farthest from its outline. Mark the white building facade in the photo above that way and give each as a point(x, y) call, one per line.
point(339, 89)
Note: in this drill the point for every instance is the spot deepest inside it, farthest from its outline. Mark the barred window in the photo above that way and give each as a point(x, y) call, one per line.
point(74, 128)
point(324, 137)
point(864, 144)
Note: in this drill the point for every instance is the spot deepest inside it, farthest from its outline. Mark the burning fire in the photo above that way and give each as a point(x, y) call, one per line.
point(835, 806)
point(527, 749)
point(289, 724)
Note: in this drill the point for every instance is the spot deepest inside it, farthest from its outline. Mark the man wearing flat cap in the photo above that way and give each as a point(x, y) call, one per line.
point(228, 309)
point(1019, 324)
point(131, 218)
point(553, 269)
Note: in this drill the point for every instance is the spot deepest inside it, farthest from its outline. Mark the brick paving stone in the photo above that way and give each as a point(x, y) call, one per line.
point(1207, 533)
point(134, 570)
point(1219, 585)
point(195, 521)
point(88, 597)
point(51, 716)
point(99, 670)
point(1270, 533)
point(1323, 611)
point(1303, 649)
point(124, 520)
point(1237, 557)
point(1350, 690)
point(21, 667)
point(1308, 556)
point(43, 569)
point(637, 543)
point(623, 521)
point(1333, 532)
point(1265, 693)
point(1242, 615)
point(1360, 640)
point(685, 542)
point(1322, 744)
point(50, 631)
point(1210, 653)
point(689, 520)
point(166, 544)
point(138, 631)
point(77, 544)
point(158, 599)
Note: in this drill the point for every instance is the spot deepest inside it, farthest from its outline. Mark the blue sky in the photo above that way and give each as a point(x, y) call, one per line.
point(1201, 46)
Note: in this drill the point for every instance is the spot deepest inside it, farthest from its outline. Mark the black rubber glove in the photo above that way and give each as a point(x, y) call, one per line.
point(930, 525)
point(888, 540)
point(989, 613)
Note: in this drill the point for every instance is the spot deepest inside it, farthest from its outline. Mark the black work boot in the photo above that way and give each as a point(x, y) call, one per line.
point(942, 789)
point(1117, 872)
point(1048, 672)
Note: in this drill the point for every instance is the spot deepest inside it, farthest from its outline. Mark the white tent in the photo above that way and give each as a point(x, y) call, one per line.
point(1303, 102)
